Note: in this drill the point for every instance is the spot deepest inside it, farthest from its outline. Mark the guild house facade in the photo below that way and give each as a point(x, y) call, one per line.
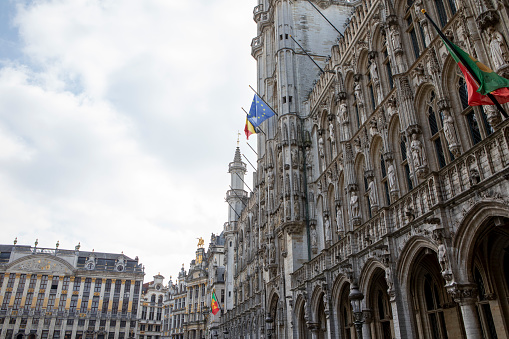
point(55, 293)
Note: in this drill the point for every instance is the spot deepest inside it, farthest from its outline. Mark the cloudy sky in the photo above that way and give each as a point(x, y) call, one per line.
point(118, 120)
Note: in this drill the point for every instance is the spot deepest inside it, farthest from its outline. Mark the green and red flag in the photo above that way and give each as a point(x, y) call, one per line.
point(214, 304)
point(488, 81)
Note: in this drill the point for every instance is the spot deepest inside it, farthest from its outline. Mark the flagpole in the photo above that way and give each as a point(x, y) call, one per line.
point(247, 114)
point(251, 148)
point(309, 56)
point(244, 183)
point(237, 196)
point(249, 161)
point(330, 23)
point(464, 62)
point(263, 100)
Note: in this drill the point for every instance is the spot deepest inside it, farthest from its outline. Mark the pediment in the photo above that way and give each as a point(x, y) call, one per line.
point(40, 264)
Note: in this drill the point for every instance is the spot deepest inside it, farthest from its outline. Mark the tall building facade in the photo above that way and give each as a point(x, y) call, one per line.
point(380, 205)
point(56, 293)
point(177, 295)
point(154, 295)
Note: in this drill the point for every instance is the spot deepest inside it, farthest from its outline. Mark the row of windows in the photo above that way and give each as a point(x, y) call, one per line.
point(150, 313)
point(68, 335)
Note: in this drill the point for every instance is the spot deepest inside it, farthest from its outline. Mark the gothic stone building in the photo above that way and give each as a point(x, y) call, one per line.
point(55, 293)
point(380, 205)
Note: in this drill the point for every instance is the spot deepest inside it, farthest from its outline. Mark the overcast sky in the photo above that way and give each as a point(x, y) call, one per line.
point(118, 120)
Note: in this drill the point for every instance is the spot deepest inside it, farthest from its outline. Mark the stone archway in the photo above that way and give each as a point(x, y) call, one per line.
point(379, 305)
point(435, 314)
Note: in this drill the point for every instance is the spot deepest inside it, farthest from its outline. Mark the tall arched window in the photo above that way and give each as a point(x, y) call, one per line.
point(484, 308)
point(477, 121)
point(434, 308)
point(435, 118)
point(385, 181)
point(414, 30)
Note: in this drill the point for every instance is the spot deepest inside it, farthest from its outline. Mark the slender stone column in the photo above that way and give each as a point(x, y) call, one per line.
point(466, 296)
point(366, 327)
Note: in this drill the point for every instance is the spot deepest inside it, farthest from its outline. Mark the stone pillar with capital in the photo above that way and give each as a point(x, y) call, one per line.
point(466, 296)
point(366, 327)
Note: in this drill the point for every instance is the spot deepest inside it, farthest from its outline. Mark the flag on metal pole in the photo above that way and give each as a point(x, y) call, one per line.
point(485, 87)
point(258, 113)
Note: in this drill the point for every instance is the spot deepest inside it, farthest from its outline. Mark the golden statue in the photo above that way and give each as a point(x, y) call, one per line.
point(201, 242)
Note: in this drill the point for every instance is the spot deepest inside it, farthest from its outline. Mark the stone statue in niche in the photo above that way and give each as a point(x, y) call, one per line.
point(449, 130)
point(372, 193)
point(339, 219)
point(321, 147)
point(295, 158)
point(498, 48)
point(309, 157)
point(343, 113)
point(354, 204)
point(418, 157)
point(331, 132)
point(395, 38)
point(358, 94)
point(442, 256)
point(270, 179)
point(391, 174)
point(388, 278)
point(287, 184)
point(314, 238)
point(373, 71)
point(296, 209)
point(327, 227)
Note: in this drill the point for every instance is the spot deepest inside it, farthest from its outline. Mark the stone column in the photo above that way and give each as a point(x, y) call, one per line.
point(366, 326)
point(466, 296)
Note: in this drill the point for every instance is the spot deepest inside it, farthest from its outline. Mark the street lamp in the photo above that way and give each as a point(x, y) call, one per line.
point(355, 298)
point(269, 322)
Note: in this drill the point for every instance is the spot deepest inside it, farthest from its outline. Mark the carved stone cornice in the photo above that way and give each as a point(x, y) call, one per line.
point(463, 294)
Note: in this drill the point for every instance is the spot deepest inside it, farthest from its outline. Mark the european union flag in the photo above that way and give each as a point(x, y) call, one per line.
point(259, 112)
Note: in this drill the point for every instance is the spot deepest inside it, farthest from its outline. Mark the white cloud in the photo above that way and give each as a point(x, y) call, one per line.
point(118, 131)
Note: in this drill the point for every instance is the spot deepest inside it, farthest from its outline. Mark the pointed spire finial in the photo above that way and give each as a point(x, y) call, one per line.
point(238, 138)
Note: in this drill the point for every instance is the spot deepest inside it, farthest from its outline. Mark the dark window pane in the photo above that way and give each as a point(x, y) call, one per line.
point(487, 126)
point(432, 120)
point(440, 153)
point(442, 15)
point(463, 92)
point(415, 44)
point(475, 132)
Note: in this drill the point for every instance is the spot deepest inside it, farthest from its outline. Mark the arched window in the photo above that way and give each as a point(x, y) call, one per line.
point(160, 300)
point(387, 64)
point(385, 182)
point(435, 119)
point(413, 26)
point(477, 121)
point(444, 10)
point(484, 308)
point(434, 308)
point(153, 298)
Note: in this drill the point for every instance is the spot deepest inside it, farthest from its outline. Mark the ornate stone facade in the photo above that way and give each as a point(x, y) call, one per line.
point(383, 139)
point(56, 293)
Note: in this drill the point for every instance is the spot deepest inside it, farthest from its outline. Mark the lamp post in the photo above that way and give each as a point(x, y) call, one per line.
point(269, 321)
point(355, 298)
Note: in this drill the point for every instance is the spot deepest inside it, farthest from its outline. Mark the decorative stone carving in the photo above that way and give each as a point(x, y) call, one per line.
point(373, 199)
point(418, 155)
point(492, 115)
point(41, 264)
point(498, 48)
point(358, 94)
point(339, 220)
point(327, 227)
point(391, 174)
point(354, 204)
point(331, 132)
point(450, 133)
point(321, 147)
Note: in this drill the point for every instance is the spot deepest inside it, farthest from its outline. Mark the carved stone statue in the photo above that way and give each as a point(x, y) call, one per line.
point(372, 193)
point(388, 278)
point(296, 209)
point(498, 49)
point(392, 177)
point(331, 132)
point(418, 156)
point(449, 130)
point(295, 158)
point(314, 238)
point(373, 71)
point(321, 149)
point(354, 204)
point(270, 179)
point(339, 219)
point(395, 38)
point(309, 157)
point(442, 256)
point(343, 112)
point(358, 94)
point(327, 226)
